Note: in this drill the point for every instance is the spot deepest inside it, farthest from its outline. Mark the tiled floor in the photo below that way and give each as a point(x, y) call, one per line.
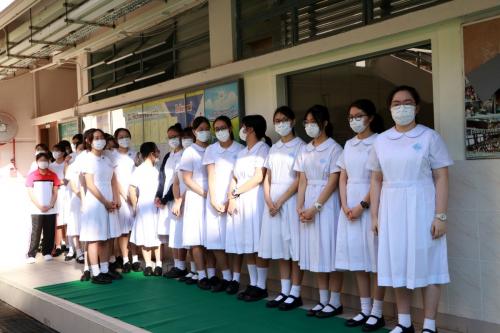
point(12, 320)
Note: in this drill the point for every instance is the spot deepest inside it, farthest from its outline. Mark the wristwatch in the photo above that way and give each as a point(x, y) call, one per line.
point(441, 217)
point(318, 206)
point(364, 204)
point(233, 193)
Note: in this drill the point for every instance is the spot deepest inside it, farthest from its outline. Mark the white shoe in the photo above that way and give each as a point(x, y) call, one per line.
point(30, 260)
point(48, 257)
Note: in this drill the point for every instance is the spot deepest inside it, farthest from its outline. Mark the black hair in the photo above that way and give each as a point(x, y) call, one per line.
point(78, 137)
point(367, 106)
point(287, 112)
point(91, 135)
point(40, 155)
point(87, 135)
point(42, 146)
point(320, 114)
point(122, 129)
point(200, 120)
point(176, 128)
point(188, 131)
point(228, 123)
point(413, 92)
point(79, 143)
point(66, 145)
point(259, 125)
point(60, 147)
point(147, 148)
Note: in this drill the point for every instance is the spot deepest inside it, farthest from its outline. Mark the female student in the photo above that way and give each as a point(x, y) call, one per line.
point(58, 166)
point(279, 238)
point(124, 160)
point(219, 159)
point(143, 187)
point(356, 242)
point(409, 197)
point(246, 205)
point(318, 207)
point(39, 148)
point(102, 200)
point(194, 175)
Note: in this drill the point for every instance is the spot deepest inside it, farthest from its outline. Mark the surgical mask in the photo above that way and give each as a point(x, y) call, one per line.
point(124, 142)
point(43, 164)
point(312, 130)
point(187, 143)
point(99, 144)
point(56, 154)
point(403, 114)
point(203, 136)
point(243, 134)
point(174, 143)
point(39, 152)
point(358, 126)
point(223, 135)
point(284, 128)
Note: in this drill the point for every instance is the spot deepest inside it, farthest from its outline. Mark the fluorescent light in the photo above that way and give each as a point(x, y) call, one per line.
point(361, 63)
point(4, 4)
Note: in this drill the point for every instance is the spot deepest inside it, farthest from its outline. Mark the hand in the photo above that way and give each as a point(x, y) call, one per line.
point(44, 209)
point(118, 203)
point(347, 211)
point(272, 207)
point(375, 225)
point(204, 194)
point(157, 202)
point(134, 211)
point(109, 205)
point(277, 207)
point(232, 207)
point(67, 159)
point(308, 214)
point(438, 229)
point(176, 208)
point(356, 212)
point(221, 209)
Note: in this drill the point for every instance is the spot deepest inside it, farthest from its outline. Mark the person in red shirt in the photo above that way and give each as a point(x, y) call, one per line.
point(42, 187)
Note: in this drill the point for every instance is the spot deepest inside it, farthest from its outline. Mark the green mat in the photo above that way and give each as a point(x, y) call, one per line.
point(160, 305)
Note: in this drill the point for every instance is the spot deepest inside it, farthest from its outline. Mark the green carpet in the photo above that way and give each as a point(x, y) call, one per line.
point(161, 305)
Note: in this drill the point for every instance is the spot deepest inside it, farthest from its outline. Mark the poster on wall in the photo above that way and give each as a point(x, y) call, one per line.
point(134, 123)
point(482, 89)
point(67, 130)
point(225, 100)
point(195, 106)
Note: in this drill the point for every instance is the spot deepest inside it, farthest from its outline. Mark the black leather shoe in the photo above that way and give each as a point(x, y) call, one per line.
point(119, 262)
point(426, 330)
point(233, 287)
point(355, 323)
point(241, 296)
point(297, 302)
point(85, 276)
point(410, 329)
point(57, 252)
point(220, 286)
point(186, 277)
point(312, 313)
point(214, 280)
point(373, 327)
point(136, 266)
point(114, 275)
point(101, 279)
point(127, 267)
point(191, 280)
point(157, 271)
point(148, 271)
point(256, 294)
point(204, 284)
point(80, 259)
point(175, 273)
point(335, 312)
point(275, 303)
point(69, 258)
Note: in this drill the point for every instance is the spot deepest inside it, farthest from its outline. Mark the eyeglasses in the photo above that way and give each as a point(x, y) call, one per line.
point(405, 102)
point(280, 120)
point(305, 122)
point(357, 117)
point(222, 128)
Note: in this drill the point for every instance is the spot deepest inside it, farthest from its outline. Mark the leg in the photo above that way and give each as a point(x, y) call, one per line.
point(322, 281)
point(93, 257)
point(199, 259)
point(293, 300)
point(48, 226)
point(222, 261)
point(211, 264)
point(103, 252)
point(334, 306)
point(252, 268)
point(36, 231)
point(363, 282)
point(376, 319)
point(262, 268)
point(403, 302)
point(123, 245)
point(431, 295)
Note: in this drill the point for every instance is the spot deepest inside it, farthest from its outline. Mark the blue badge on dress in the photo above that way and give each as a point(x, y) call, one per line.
point(322, 161)
point(417, 146)
point(291, 154)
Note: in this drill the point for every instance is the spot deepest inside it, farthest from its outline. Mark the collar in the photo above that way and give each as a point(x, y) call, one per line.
point(366, 141)
point(292, 143)
point(255, 147)
point(232, 148)
point(322, 147)
point(198, 147)
point(413, 133)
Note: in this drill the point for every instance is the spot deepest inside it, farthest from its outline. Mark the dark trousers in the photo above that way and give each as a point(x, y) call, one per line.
point(47, 224)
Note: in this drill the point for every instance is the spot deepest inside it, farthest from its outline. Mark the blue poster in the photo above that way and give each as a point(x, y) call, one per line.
point(222, 100)
point(194, 106)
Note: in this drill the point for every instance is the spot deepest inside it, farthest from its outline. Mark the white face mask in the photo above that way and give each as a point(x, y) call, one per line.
point(124, 142)
point(39, 152)
point(284, 128)
point(358, 126)
point(99, 144)
point(243, 134)
point(187, 143)
point(223, 135)
point(403, 114)
point(56, 154)
point(312, 130)
point(43, 164)
point(203, 136)
point(174, 143)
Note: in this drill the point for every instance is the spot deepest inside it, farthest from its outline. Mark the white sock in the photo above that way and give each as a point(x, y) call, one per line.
point(236, 277)
point(104, 267)
point(86, 267)
point(79, 252)
point(182, 264)
point(334, 301)
point(125, 260)
point(112, 259)
point(58, 247)
point(71, 251)
point(135, 258)
point(202, 274)
point(193, 266)
point(404, 320)
point(226, 274)
point(295, 292)
point(430, 324)
point(149, 264)
point(195, 276)
point(261, 277)
point(210, 272)
point(323, 299)
point(95, 270)
point(252, 271)
point(366, 307)
point(176, 263)
point(378, 307)
point(285, 286)
point(188, 275)
point(159, 263)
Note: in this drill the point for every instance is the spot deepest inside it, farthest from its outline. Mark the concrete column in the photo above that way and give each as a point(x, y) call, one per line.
point(82, 78)
point(222, 31)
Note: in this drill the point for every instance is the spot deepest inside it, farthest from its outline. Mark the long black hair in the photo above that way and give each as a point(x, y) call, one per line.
point(228, 123)
point(287, 112)
point(147, 148)
point(259, 125)
point(321, 114)
point(367, 106)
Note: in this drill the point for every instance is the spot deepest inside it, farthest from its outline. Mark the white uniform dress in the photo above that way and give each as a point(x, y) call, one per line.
point(279, 238)
point(164, 214)
point(97, 223)
point(194, 223)
point(144, 230)
point(407, 255)
point(123, 171)
point(243, 228)
point(317, 238)
point(62, 194)
point(356, 242)
point(223, 160)
point(75, 205)
point(176, 223)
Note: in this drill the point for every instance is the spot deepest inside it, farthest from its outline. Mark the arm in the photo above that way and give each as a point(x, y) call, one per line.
point(343, 193)
point(43, 209)
point(54, 196)
point(74, 188)
point(187, 176)
point(267, 193)
point(211, 188)
point(89, 181)
point(116, 191)
point(375, 189)
point(255, 181)
point(231, 207)
point(133, 198)
point(288, 194)
point(440, 176)
point(330, 187)
point(176, 208)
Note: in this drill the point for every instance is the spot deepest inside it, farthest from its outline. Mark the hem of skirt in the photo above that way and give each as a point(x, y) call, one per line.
point(353, 268)
point(271, 257)
point(215, 248)
point(317, 269)
point(413, 284)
